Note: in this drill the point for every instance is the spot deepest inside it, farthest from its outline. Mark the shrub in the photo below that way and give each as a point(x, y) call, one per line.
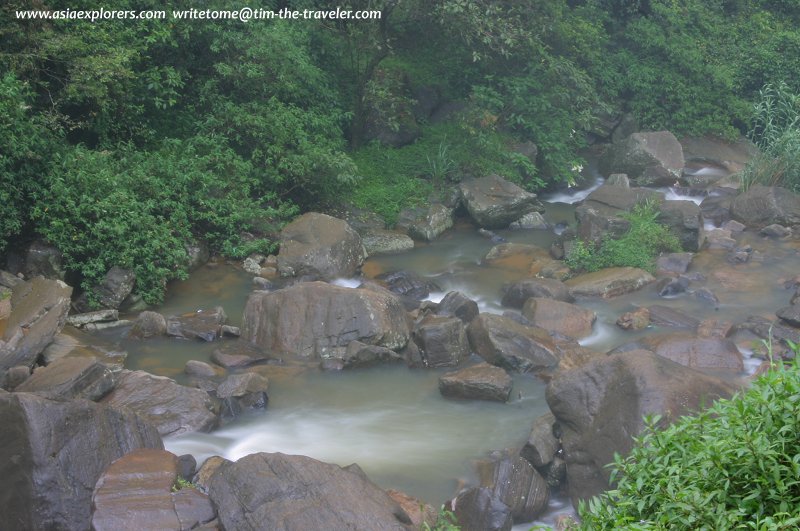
point(638, 247)
point(734, 466)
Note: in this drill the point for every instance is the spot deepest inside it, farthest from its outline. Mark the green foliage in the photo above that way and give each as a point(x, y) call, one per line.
point(776, 131)
point(638, 247)
point(181, 484)
point(446, 521)
point(139, 209)
point(734, 466)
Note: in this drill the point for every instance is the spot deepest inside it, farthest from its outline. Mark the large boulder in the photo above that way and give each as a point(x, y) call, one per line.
point(322, 245)
point(426, 223)
point(609, 282)
point(52, 454)
point(172, 408)
point(39, 311)
point(203, 324)
point(517, 293)
point(506, 343)
point(479, 382)
point(287, 493)
point(311, 319)
point(379, 241)
point(515, 482)
point(729, 155)
point(558, 316)
point(761, 205)
point(112, 290)
point(70, 377)
point(600, 214)
point(712, 353)
point(480, 509)
point(600, 406)
point(138, 492)
point(493, 202)
point(654, 158)
point(442, 341)
point(685, 220)
point(43, 259)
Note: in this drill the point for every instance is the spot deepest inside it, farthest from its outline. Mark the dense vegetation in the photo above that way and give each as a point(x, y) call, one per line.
point(121, 141)
point(734, 466)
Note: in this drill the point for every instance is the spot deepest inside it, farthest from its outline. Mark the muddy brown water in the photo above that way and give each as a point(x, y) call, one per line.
point(391, 420)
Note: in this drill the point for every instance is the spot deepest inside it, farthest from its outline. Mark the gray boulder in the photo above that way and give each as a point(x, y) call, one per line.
point(480, 509)
point(242, 392)
point(379, 241)
point(493, 202)
point(506, 343)
point(149, 324)
point(600, 407)
point(761, 206)
point(542, 445)
point(287, 493)
point(479, 382)
point(69, 378)
point(322, 245)
point(609, 282)
point(237, 354)
point(52, 454)
point(203, 324)
point(515, 482)
point(456, 304)
point(312, 319)
point(426, 223)
point(557, 316)
point(172, 408)
point(43, 259)
point(684, 218)
point(517, 293)
point(112, 290)
point(442, 341)
point(654, 158)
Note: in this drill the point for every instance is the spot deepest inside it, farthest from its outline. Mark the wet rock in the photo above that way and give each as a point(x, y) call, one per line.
point(149, 324)
point(207, 470)
point(358, 354)
point(533, 220)
point(408, 284)
point(740, 255)
point(716, 206)
point(172, 408)
point(549, 288)
point(282, 492)
point(684, 218)
point(427, 224)
point(638, 319)
point(697, 352)
point(311, 318)
point(442, 341)
point(479, 509)
point(43, 259)
point(517, 484)
point(241, 392)
point(714, 328)
point(668, 287)
point(669, 317)
point(38, 313)
point(733, 226)
point(456, 304)
point(200, 369)
point(790, 315)
point(618, 179)
point(194, 509)
point(252, 264)
point(69, 378)
point(761, 206)
point(420, 513)
point(264, 284)
point(47, 475)
point(379, 241)
point(9, 280)
point(728, 155)
point(203, 324)
point(542, 444)
point(776, 231)
point(718, 239)
point(237, 354)
point(493, 202)
point(673, 263)
point(649, 159)
point(558, 316)
point(322, 245)
point(74, 343)
point(600, 406)
point(608, 283)
point(14, 377)
point(112, 290)
point(479, 382)
point(230, 331)
point(705, 294)
point(513, 346)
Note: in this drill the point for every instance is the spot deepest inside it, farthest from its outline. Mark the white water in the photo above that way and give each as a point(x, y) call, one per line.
point(572, 196)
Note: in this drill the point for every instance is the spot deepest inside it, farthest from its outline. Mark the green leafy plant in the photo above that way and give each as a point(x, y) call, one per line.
point(446, 521)
point(441, 165)
point(181, 484)
point(638, 247)
point(734, 466)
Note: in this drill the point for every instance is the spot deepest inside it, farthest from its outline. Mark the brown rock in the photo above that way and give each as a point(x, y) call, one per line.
point(610, 282)
point(504, 342)
point(635, 320)
point(479, 382)
point(69, 378)
point(561, 317)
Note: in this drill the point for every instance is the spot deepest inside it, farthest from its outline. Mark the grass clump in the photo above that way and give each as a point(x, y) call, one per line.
point(446, 521)
point(734, 466)
point(638, 247)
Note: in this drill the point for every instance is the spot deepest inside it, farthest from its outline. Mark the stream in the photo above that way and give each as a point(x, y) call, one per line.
point(391, 420)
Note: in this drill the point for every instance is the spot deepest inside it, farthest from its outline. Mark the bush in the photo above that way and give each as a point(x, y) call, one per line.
point(638, 247)
point(734, 466)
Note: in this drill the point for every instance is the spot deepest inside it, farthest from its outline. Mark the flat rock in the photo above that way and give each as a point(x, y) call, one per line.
point(558, 316)
point(479, 382)
point(505, 343)
point(203, 324)
point(236, 354)
point(665, 316)
point(517, 293)
point(69, 378)
point(652, 158)
point(610, 282)
point(378, 241)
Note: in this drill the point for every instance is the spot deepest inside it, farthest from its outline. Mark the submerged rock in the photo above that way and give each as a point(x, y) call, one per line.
point(479, 382)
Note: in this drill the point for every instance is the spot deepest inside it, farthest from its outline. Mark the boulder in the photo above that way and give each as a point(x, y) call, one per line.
point(600, 214)
point(75, 343)
point(237, 354)
point(200, 369)
point(149, 324)
point(542, 444)
point(493, 202)
point(790, 315)
point(80, 320)
point(52, 454)
point(456, 304)
point(379, 241)
point(172, 408)
point(685, 221)
point(517, 293)
point(716, 206)
point(198, 254)
point(637, 319)
point(312, 318)
point(671, 286)
point(112, 290)
point(608, 283)
point(69, 378)
point(282, 492)
point(504, 342)
point(479, 382)
point(407, 284)
point(203, 324)
point(672, 264)
point(649, 159)
point(776, 231)
point(618, 179)
point(421, 513)
point(321, 245)
point(730, 155)
point(136, 492)
point(479, 509)
point(426, 223)
point(529, 260)
point(717, 354)
point(665, 316)
point(761, 206)
point(600, 406)
point(38, 313)
point(718, 239)
point(442, 341)
point(517, 484)
point(532, 220)
point(43, 259)
point(358, 354)
point(558, 316)
point(242, 392)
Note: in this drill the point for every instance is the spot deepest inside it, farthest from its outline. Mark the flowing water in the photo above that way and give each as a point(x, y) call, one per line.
point(391, 420)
